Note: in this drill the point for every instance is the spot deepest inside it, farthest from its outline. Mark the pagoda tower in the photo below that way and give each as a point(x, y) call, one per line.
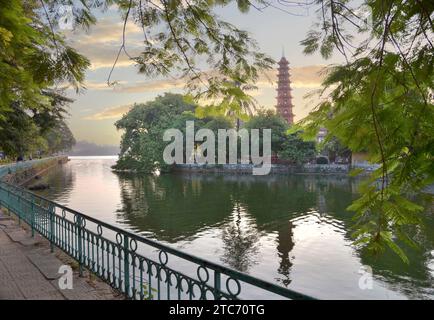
point(284, 98)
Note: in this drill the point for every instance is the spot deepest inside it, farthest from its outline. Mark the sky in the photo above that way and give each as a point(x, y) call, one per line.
point(96, 109)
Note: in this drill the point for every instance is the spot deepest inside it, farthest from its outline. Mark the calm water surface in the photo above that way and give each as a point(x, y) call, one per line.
point(293, 231)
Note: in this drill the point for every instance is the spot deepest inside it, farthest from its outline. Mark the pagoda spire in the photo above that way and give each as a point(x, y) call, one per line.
point(284, 98)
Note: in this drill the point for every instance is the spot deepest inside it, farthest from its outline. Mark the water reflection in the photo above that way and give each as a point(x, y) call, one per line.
point(240, 240)
point(285, 244)
point(172, 209)
point(294, 230)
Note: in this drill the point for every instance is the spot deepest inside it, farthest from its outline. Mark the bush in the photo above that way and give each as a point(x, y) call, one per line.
point(296, 150)
point(322, 160)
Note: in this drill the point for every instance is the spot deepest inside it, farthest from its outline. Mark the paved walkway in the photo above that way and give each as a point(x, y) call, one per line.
point(28, 270)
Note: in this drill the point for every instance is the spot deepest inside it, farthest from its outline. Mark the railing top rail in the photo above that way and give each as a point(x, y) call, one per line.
point(192, 258)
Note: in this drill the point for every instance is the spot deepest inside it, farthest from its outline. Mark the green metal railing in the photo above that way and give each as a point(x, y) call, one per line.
point(138, 267)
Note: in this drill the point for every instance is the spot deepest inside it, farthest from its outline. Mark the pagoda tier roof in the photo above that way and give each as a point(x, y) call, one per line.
point(283, 61)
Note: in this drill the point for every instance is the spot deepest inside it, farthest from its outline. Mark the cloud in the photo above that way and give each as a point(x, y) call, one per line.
point(101, 44)
point(110, 113)
point(103, 56)
point(154, 85)
point(301, 77)
point(308, 76)
point(93, 85)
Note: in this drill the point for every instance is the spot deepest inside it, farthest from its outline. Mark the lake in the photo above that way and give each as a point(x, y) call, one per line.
point(291, 230)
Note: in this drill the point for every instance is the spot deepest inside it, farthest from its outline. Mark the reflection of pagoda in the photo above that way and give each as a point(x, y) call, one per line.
point(284, 98)
point(284, 248)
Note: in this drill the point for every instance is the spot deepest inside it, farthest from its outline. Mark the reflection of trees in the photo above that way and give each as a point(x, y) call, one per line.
point(275, 201)
point(176, 207)
point(173, 207)
point(61, 180)
point(240, 241)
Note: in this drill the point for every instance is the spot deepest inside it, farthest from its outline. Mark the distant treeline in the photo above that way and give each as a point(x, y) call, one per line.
point(85, 148)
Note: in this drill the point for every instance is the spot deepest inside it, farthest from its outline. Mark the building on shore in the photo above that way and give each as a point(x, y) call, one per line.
point(284, 105)
point(322, 133)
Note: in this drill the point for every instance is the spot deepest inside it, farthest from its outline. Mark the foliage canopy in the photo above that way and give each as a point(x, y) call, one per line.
point(34, 61)
point(380, 102)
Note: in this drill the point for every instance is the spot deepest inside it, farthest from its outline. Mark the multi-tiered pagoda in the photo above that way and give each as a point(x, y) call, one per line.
point(284, 97)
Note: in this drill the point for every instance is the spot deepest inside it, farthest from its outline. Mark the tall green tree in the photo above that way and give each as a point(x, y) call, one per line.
point(20, 136)
point(34, 60)
point(380, 101)
point(144, 125)
point(59, 138)
point(142, 142)
point(268, 119)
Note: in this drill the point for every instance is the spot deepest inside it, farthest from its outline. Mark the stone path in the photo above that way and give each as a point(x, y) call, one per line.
point(28, 270)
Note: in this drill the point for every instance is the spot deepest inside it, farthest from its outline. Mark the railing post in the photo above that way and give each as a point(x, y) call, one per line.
point(126, 265)
point(1, 196)
point(80, 245)
point(32, 215)
point(18, 209)
point(8, 202)
point(217, 284)
point(52, 235)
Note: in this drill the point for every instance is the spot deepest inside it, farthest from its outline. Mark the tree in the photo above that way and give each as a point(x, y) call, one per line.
point(20, 135)
point(59, 138)
point(34, 59)
point(218, 122)
point(236, 105)
point(380, 101)
point(32, 56)
point(142, 143)
point(215, 124)
point(296, 150)
point(332, 148)
point(268, 119)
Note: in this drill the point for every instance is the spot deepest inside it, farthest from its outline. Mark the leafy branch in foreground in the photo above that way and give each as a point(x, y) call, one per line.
point(380, 101)
point(34, 62)
point(186, 39)
point(183, 39)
